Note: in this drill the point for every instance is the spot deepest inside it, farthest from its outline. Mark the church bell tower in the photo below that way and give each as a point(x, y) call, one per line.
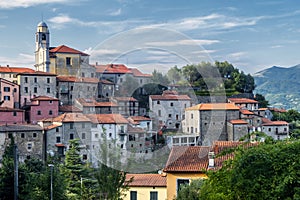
point(42, 41)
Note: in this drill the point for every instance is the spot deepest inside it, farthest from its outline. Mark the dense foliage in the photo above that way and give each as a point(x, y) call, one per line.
point(266, 171)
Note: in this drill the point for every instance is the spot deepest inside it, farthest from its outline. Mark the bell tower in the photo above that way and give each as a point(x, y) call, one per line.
point(42, 41)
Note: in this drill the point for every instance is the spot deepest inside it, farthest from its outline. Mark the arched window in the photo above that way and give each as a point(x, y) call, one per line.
point(43, 36)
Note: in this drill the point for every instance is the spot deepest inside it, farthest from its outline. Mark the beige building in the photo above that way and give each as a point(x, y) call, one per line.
point(33, 84)
point(146, 186)
point(209, 121)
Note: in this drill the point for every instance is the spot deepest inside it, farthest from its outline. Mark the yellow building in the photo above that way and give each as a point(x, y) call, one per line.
point(146, 186)
point(184, 164)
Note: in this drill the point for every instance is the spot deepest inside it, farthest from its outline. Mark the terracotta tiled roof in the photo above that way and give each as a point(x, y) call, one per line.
point(77, 79)
point(238, 121)
point(170, 97)
point(246, 112)
point(242, 100)
point(69, 108)
point(138, 73)
point(103, 81)
point(4, 69)
point(281, 110)
point(187, 159)
point(71, 117)
point(140, 118)
point(66, 49)
point(147, 180)
point(59, 145)
point(214, 106)
point(263, 109)
point(8, 82)
point(113, 69)
point(124, 98)
point(135, 129)
point(94, 103)
point(37, 73)
point(7, 109)
point(107, 118)
point(44, 98)
point(52, 126)
point(275, 123)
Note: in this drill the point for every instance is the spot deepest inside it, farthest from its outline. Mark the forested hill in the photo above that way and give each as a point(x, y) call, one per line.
point(280, 86)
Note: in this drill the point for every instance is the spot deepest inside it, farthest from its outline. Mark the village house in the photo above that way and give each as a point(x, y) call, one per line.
point(11, 116)
point(146, 186)
point(127, 106)
point(106, 89)
point(278, 130)
point(168, 109)
point(10, 73)
point(9, 94)
point(140, 121)
point(41, 107)
point(209, 121)
point(33, 84)
point(28, 138)
point(91, 106)
point(249, 104)
point(236, 129)
point(72, 87)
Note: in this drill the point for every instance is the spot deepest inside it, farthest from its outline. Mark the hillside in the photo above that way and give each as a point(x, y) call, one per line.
point(280, 86)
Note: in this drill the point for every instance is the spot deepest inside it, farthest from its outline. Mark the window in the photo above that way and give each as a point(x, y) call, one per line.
point(58, 139)
point(68, 60)
point(22, 135)
point(181, 182)
point(14, 113)
point(269, 129)
point(48, 90)
point(82, 74)
point(170, 115)
point(71, 88)
point(35, 90)
point(26, 80)
point(92, 75)
point(84, 157)
point(96, 135)
point(83, 125)
point(192, 116)
point(110, 135)
point(171, 104)
point(39, 112)
point(159, 113)
point(48, 80)
point(71, 126)
point(6, 98)
point(43, 36)
point(6, 89)
point(71, 136)
point(35, 80)
point(153, 195)
point(158, 102)
point(29, 146)
point(15, 89)
point(34, 135)
point(83, 136)
point(50, 112)
point(50, 101)
point(26, 89)
point(133, 195)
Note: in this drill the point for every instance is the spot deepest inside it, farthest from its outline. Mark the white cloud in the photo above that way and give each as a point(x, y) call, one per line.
point(276, 46)
point(22, 60)
point(116, 13)
point(5, 4)
point(183, 42)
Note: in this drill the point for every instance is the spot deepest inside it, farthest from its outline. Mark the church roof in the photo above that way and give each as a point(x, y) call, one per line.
point(66, 49)
point(43, 24)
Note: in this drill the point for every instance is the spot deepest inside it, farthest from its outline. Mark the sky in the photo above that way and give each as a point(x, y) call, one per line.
point(158, 34)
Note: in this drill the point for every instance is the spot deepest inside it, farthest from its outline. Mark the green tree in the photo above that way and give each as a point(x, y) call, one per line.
point(266, 171)
point(190, 192)
point(262, 102)
point(174, 75)
point(159, 78)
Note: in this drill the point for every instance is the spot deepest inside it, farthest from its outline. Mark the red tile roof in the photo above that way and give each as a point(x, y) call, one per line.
point(124, 98)
point(138, 73)
point(238, 121)
point(69, 108)
point(214, 106)
point(275, 123)
point(7, 109)
point(66, 49)
point(281, 110)
point(37, 73)
point(139, 118)
point(246, 112)
point(103, 81)
point(94, 103)
point(135, 129)
point(242, 100)
point(76, 79)
point(113, 69)
point(52, 126)
point(44, 98)
point(147, 180)
point(107, 118)
point(5, 69)
point(187, 159)
point(71, 117)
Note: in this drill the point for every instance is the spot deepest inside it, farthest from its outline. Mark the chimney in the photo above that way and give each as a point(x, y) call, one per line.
point(7, 65)
point(211, 159)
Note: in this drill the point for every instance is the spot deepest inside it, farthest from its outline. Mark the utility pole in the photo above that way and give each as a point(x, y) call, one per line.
point(16, 172)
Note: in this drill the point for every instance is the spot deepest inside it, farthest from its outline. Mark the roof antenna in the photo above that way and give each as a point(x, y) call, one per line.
point(42, 16)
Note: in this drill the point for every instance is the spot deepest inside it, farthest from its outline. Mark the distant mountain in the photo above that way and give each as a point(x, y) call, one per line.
point(280, 86)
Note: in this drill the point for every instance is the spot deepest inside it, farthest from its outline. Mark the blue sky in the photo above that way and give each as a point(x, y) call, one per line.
point(252, 35)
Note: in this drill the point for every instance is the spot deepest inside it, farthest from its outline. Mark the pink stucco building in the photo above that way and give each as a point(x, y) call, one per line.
point(9, 94)
point(11, 116)
point(42, 107)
